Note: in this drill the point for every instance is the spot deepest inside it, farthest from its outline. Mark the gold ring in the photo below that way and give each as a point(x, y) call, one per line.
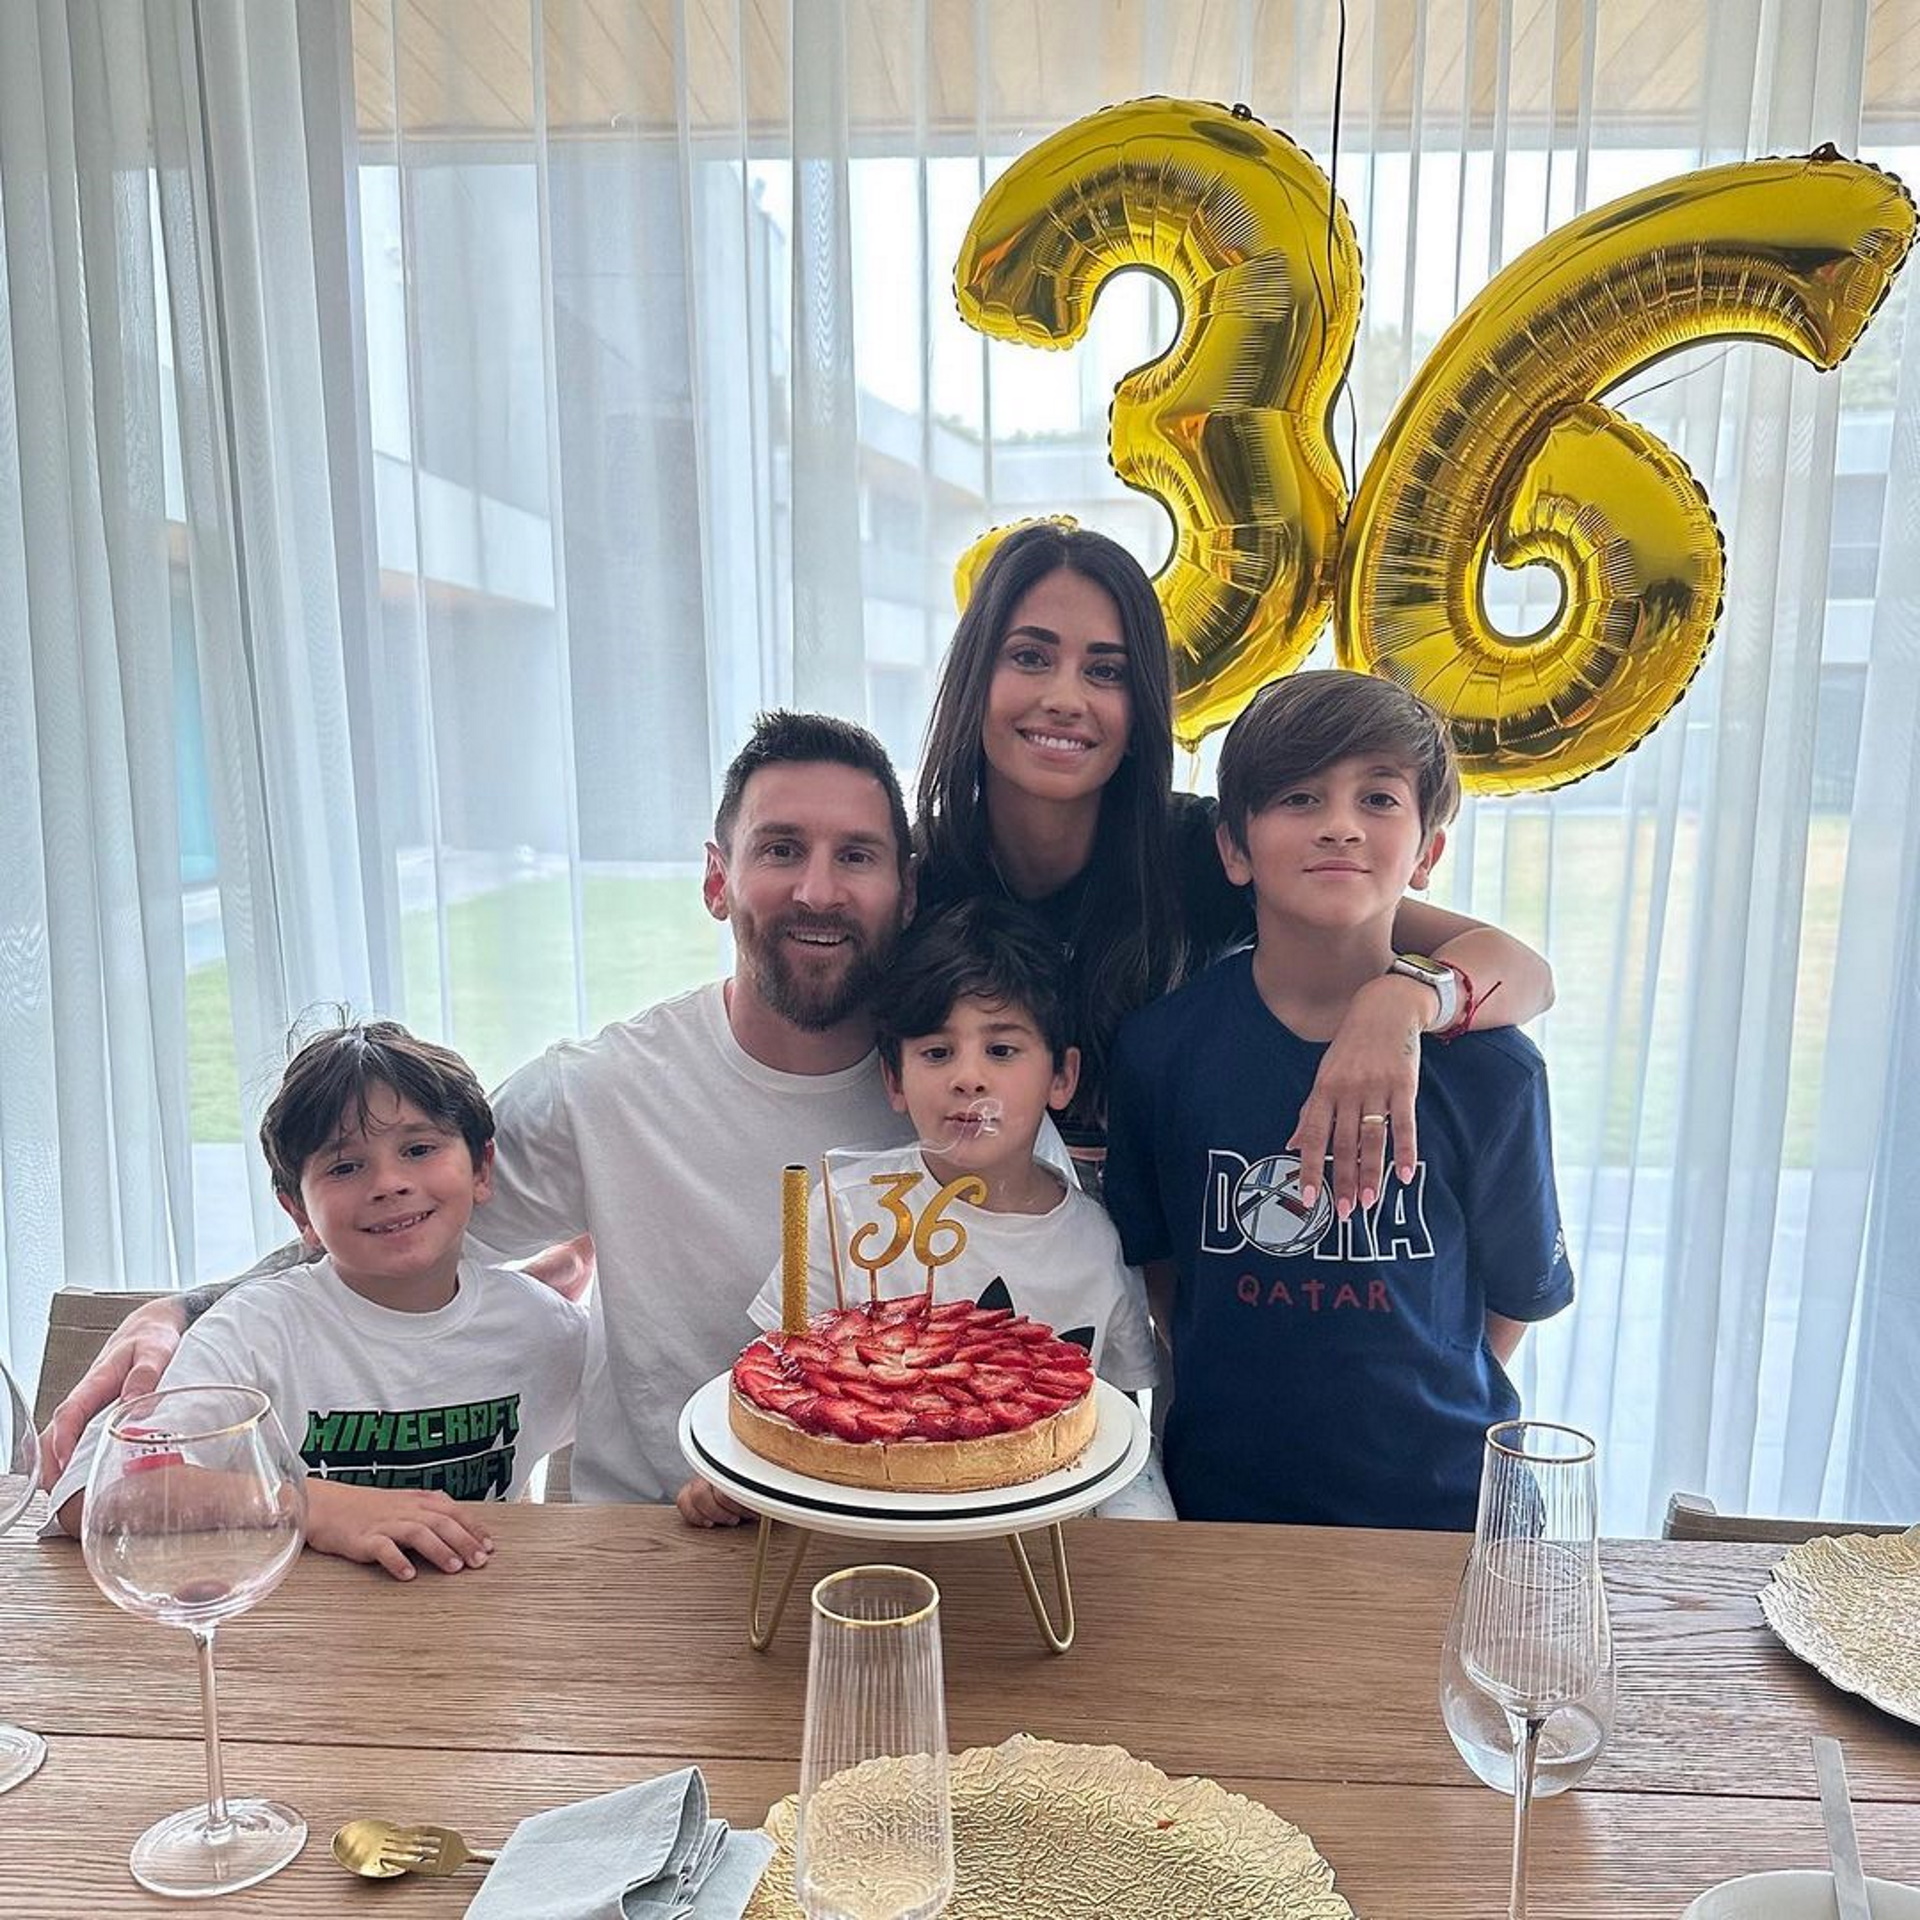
point(1373, 1119)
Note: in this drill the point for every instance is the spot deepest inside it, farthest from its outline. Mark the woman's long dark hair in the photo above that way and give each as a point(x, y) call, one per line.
point(1129, 945)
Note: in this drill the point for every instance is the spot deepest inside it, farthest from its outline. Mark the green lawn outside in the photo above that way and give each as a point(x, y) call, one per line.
point(511, 966)
point(1587, 898)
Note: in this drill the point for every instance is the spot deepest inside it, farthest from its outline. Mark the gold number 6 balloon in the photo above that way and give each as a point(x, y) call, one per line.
point(1499, 450)
point(1228, 429)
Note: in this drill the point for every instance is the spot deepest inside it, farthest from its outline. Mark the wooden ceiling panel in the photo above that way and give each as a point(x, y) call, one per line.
point(464, 70)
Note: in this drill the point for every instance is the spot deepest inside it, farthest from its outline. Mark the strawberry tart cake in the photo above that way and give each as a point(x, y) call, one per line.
point(905, 1394)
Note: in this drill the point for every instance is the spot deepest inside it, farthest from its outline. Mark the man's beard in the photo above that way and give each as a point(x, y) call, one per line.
point(811, 1005)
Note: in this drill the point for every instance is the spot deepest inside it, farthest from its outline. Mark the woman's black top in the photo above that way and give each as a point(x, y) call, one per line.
point(1218, 915)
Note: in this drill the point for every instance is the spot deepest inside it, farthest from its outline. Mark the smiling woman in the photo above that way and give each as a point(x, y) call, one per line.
point(1047, 778)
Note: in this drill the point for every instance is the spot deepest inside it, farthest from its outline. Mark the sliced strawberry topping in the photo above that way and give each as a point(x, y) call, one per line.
point(844, 1417)
point(805, 1413)
point(1065, 1355)
point(782, 1396)
point(879, 1424)
point(996, 1383)
point(1054, 1380)
point(903, 1370)
point(929, 1353)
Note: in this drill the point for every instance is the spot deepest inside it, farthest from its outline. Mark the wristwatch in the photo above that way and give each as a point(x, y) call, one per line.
point(1435, 974)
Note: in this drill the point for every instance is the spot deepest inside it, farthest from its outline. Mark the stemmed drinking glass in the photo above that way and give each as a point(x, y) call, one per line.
point(1532, 1617)
point(20, 1751)
point(195, 1511)
point(876, 1826)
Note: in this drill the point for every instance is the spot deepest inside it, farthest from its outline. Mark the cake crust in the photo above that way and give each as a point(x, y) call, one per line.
point(918, 1466)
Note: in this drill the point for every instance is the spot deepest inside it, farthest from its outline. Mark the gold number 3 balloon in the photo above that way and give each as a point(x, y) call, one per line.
point(1499, 451)
point(1229, 429)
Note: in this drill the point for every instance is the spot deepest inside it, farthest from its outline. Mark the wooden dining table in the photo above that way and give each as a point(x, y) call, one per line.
point(603, 1645)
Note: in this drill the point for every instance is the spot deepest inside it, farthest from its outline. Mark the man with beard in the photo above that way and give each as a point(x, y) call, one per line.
point(664, 1135)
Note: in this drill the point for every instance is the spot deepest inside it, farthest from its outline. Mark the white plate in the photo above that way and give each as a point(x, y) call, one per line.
point(1116, 1453)
point(1799, 1894)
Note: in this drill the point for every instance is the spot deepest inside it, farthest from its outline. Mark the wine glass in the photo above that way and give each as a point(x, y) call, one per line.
point(876, 1825)
point(21, 1752)
point(1532, 1614)
point(196, 1509)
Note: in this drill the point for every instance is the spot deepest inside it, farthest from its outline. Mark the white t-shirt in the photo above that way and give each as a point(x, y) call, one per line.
point(466, 1399)
point(1062, 1267)
point(664, 1138)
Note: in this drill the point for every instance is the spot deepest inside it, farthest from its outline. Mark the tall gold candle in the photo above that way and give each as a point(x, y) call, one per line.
point(793, 1249)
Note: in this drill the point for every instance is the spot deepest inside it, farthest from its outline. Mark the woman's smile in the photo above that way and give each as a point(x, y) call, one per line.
point(1059, 708)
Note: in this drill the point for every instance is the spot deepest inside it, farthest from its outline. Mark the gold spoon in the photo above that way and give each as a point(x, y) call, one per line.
point(383, 1850)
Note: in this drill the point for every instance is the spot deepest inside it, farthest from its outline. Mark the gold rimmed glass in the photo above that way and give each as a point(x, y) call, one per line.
point(196, 1511)
point(875, 1838)
point(1531, 1622)
point(21, 1752)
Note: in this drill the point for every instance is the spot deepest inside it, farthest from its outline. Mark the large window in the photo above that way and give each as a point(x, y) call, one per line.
point(622, 394)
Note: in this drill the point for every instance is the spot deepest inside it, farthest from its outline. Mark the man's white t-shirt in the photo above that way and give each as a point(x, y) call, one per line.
point(664, 1138)
point(467, 1399)
point(1062, 1267)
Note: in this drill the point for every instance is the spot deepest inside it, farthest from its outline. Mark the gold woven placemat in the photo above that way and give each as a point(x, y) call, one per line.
point(1849, 1604)
point(1091, 1833)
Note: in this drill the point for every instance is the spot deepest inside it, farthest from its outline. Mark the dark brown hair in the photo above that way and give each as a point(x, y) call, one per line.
point(1294, 728)
point(327, 1083)
point(782, 738)
point(982, 949)
point(1129, 945)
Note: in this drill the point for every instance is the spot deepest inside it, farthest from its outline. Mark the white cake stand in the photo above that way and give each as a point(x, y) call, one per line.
point(1116, 1453)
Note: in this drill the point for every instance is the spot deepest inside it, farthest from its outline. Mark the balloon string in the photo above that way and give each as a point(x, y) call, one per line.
point(1333, 208)
point(1672, 379)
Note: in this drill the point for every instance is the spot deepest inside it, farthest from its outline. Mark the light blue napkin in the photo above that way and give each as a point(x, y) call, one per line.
point(645, 1852)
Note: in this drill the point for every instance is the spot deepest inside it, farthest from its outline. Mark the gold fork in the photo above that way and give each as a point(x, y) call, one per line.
point(381, 1849)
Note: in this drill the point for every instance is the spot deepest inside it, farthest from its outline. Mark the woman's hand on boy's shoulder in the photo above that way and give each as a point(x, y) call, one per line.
point(382, 1525)
point(1363, 1096)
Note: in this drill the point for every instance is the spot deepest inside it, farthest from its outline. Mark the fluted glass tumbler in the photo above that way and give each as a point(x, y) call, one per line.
point(876, 1826)
point(1531, 1624)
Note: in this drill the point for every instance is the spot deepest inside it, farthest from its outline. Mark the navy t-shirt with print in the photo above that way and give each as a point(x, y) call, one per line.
point(1328, 1373)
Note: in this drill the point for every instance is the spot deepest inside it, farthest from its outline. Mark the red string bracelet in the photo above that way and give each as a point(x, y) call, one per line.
point(1470, 1003)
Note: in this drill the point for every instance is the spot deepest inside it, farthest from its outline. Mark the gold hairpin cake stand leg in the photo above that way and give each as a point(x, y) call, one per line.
point(1058, 1638)
point(760, 1632)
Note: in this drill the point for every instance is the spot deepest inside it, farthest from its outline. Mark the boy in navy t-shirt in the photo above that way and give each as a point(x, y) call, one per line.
point(1329, 1370)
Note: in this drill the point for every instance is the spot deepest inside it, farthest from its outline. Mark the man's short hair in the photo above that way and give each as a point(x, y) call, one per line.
point(1295, 728)
point(980, 949)
point(327, 1084)
point(782, 738)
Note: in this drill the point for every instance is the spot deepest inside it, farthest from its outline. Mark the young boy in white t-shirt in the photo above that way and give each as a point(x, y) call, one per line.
point(411, 1381)
point(971, 1025)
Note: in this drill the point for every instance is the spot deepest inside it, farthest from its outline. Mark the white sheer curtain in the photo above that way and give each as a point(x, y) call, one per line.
point(504, 399)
